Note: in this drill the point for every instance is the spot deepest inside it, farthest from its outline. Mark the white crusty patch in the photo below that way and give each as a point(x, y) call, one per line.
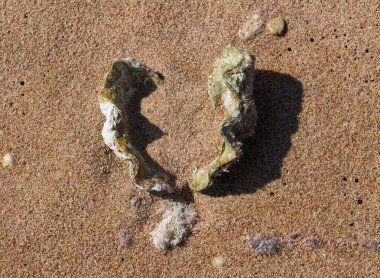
point(177, 223)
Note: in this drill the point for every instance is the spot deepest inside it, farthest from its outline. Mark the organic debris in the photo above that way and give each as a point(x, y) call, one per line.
point(177, 223)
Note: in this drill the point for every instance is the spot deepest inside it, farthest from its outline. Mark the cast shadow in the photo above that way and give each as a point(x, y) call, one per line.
point(142, 132)
point(278, 99)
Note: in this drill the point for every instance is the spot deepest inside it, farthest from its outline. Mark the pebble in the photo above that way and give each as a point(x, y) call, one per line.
point(253, 27)
point(219, 262)
point(8, 160)
point(135, 202)
point(276, 26)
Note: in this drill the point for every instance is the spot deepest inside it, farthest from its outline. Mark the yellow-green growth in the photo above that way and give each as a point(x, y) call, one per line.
point(230, 84)
point(127, 79)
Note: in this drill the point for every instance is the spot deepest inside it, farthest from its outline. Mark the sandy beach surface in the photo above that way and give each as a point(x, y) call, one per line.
point(312, 166)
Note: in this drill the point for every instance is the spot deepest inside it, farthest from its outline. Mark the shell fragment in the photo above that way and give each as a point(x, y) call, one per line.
point(230, 85)
point(128, 79)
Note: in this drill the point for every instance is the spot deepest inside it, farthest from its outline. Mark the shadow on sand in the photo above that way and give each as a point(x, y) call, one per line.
point(142, 132)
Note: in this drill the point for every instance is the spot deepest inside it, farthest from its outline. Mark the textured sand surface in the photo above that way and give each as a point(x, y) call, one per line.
point(312, 167)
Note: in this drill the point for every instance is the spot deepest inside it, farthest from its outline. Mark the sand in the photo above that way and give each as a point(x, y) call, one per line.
point(313, 166)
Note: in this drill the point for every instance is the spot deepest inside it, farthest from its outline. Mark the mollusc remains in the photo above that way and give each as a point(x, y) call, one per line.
point(128, 79)
point(230, 85)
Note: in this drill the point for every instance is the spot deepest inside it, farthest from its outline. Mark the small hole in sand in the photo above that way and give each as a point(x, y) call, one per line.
point(284, 183)
point(22, 83)
point(271, 194)
point(351, 224)
point(360, 201)
point(311, 39)
point(289, 49)
point(344, 179)
point(367, 51)
point(356, 180)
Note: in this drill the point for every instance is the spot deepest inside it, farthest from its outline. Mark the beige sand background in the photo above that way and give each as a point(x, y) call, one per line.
point(313, 166)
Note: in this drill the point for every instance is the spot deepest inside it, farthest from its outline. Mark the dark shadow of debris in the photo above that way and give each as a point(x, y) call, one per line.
point(181, 194)
point(141, 132)
point(278, 99)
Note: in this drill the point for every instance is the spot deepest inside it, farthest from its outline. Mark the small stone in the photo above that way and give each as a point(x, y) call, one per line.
point(135, 202)
point(8, 160)
point(218, 262)
point(253, 27)
point(276, 26)
point(293, 238)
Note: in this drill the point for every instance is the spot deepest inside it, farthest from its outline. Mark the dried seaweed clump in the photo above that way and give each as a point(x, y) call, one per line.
point(370, 245)
point(293, 238)
point(312, 242)
point(126, 80)
point(230, 84)
point(177, 223)
point(265, 244)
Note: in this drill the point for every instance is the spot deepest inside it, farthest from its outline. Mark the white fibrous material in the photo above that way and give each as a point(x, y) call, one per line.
point(177, 223)
point(128, 79)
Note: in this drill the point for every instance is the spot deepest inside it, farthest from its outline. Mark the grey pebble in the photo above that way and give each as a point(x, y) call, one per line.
point(135, 202)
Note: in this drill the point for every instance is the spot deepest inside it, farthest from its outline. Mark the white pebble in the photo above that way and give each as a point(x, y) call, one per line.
point(8, 160)
point(218, 262)
point(252, 27)
point(276, 26)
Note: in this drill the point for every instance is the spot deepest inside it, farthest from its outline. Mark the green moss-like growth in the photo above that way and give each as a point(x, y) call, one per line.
point(128, 79)
point(230, 84)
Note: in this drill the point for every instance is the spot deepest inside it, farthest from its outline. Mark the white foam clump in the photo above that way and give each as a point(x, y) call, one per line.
point(177, 223)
